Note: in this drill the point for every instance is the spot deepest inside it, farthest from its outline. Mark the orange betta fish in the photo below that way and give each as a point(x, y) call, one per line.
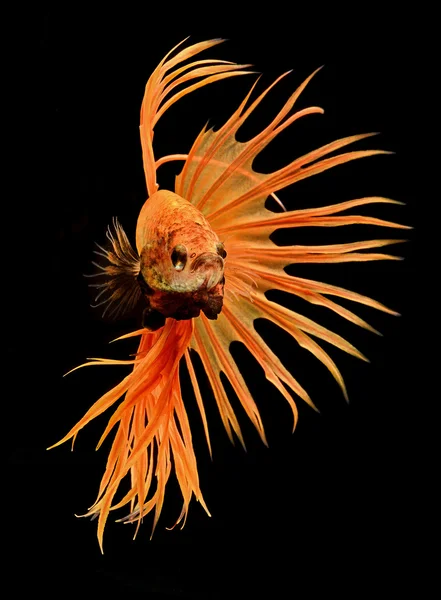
point(203, 263)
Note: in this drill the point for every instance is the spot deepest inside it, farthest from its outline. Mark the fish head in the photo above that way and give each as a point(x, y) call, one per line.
point(182, 263)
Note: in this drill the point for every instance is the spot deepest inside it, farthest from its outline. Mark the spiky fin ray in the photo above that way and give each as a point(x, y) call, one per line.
point(280, 180)
point(117, 288)
point(99, 407)
point(259, 223)
point(296, 286)
point(199, 400)
point(211, 363)
point(228, 328)
point(220, 361)
point(151, 416)
point(217, 161)
point(161, 83)
point(219, 179)
point(211, 147)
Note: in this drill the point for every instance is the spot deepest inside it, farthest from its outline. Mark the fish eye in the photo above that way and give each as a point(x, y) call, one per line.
point(179, 257)
point(221, 250)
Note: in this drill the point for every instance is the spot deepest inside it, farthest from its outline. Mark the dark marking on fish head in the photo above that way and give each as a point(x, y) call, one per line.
point(152, 320)
point(214, 301)
point(145, 288)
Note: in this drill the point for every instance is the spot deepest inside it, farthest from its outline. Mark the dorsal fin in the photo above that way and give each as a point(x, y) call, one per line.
point(158, 98)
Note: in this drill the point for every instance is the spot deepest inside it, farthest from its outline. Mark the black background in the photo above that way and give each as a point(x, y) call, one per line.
point(330, 507)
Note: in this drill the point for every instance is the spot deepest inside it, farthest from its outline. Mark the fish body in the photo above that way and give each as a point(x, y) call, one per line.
point(181, 261)
point(197, 299)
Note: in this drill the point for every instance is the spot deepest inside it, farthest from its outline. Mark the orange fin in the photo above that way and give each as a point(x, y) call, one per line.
point(219, 179)
point(159, 93)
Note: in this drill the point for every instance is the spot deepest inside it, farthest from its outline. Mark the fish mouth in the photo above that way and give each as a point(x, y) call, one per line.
point(210, 264)
point(183, 305)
